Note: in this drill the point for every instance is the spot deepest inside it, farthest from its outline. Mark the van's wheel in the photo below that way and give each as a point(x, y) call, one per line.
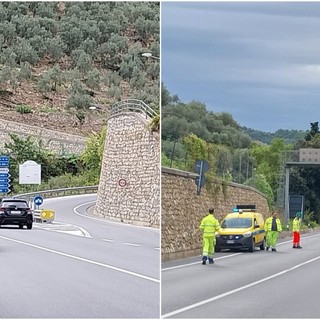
point(263, 244)
point(29, 225)
point(252, 247)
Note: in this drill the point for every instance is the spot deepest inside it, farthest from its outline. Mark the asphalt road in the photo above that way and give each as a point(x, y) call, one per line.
point(79, 267)
point(262, 284)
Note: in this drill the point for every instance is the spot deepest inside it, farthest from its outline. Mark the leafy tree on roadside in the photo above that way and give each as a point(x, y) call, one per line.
point(268, 160)
point(93, 154)
point(259, 181)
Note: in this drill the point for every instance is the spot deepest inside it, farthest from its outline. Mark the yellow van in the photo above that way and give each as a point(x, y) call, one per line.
point(241, 229)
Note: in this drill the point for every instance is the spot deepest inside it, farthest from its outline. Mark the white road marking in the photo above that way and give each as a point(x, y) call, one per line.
point(108, 240)
point(83, 260)
point(132, 244)
point(232, 255)
point(106, 221)
point(193, 263)
point(201, 303)
point(64, 228)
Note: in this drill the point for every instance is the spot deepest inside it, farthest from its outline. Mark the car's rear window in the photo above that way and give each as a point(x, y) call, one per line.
point(237, 223)
point(20, 204)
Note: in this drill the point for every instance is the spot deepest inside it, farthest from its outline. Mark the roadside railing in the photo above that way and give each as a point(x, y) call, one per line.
point(132, 105)
point(59, 192)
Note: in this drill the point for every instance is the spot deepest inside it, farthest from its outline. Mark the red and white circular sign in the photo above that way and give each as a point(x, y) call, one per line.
point(122, 182)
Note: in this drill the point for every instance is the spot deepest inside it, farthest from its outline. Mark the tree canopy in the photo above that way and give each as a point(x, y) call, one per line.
point(58, 44)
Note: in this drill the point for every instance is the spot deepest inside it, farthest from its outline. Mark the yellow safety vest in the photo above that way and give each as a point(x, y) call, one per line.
point(209, 225)
point(296, 225)
point(268, 224)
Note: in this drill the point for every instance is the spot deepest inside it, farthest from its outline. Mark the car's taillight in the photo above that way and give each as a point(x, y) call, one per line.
point(1, 209)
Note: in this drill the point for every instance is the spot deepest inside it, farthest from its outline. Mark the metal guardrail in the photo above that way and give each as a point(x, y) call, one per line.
point(132, 105)
point(59, 192)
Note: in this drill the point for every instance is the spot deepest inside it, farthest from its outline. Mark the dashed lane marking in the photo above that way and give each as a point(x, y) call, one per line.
point(132, 244)
point(77, 231)
point(83, 260)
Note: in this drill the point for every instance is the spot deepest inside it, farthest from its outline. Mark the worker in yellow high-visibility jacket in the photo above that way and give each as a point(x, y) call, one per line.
point(273, 227)
point(209, 225)
point(296, 225)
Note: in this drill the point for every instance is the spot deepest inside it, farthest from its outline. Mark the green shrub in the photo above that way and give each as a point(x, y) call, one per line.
point(313, 224)
point(24, 108)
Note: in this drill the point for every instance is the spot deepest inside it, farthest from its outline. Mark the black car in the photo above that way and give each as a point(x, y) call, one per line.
point(16, 212)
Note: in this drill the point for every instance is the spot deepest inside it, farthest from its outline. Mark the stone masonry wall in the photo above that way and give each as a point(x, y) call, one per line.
point(182, 210)
point(59, 142)
point(129, 188)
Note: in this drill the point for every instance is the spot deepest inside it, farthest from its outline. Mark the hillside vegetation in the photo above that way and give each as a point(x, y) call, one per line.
point(59, 58)
point(190, 132)
point(289, 136)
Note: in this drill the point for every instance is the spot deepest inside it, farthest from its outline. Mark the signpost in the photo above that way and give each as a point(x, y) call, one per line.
point(200, 167)
point(4, 174)
point(38, 201)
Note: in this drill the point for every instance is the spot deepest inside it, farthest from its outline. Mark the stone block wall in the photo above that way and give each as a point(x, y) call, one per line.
point(56, 141)
point(182, 210)
point(129, 188)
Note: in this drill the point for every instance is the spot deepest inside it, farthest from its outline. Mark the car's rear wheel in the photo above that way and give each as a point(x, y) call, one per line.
point(29, 225)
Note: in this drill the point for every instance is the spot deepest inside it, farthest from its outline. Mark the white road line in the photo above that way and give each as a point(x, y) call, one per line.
point(106, 221)
point(201, 303)
point(108, 240)
point(193, 263)
point(132, 244)
point(84, 260)
point(156, 248)
point(232, 255)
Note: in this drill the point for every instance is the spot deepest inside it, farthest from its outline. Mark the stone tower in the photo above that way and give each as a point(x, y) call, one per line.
point(129, 187)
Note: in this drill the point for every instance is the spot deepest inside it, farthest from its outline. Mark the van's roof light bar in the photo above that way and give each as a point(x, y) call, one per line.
point(244, 208)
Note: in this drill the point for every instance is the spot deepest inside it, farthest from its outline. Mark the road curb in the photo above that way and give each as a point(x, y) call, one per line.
point(288, 234)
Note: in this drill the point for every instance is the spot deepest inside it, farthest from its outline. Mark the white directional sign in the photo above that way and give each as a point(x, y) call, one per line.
point(29, 173)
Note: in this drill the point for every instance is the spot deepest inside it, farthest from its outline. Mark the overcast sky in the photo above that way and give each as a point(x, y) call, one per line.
point(259, 61)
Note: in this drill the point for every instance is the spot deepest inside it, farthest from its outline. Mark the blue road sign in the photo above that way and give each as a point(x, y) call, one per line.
point(5, 190)
point(201, 166)
point(4, 159)
point(4, 180)
point(4, 164)
point(4, 184)
point(5, 175)
point(38, 200)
